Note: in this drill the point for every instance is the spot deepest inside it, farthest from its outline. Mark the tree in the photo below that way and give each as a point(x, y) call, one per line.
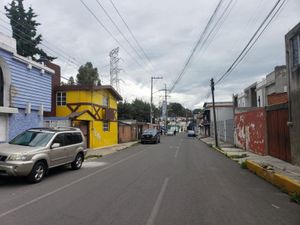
point(71, 81)
point(197, 111)
point(87, 75)
point(176, 110)
point(137, 110)
point(24, 30)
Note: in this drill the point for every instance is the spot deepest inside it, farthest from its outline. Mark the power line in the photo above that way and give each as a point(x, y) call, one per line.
point(196, 46)
point(71, 62)
point(251, 42)
point(119, 30)
point(131, 33)
point(108, 31)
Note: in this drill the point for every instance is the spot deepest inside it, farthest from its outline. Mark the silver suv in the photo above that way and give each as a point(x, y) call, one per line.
point(36, 150)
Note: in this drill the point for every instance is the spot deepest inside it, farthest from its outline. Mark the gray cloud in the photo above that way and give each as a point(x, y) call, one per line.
point(168, 30)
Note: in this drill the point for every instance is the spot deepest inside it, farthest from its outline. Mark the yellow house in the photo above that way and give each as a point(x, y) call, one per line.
point(91, 108)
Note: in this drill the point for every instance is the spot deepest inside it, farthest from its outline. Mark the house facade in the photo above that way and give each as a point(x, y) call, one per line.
point(224, 120)
point(91, 108)
point(292, 42)
point(25, 91)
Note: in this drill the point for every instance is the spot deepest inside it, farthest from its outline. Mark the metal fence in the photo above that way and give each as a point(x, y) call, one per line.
point(225, 130)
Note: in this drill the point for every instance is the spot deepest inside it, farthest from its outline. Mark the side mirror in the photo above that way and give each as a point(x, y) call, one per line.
point(55, 145)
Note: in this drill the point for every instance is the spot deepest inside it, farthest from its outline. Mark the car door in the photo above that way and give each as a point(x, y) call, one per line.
point(59, 155)
point(72, 142)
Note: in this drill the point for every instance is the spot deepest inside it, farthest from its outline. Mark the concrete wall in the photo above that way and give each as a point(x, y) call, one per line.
point(20, 122)
point(250, 130)
point(294, 93)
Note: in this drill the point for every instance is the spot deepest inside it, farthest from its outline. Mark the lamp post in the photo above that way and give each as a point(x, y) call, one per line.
point(151, 100)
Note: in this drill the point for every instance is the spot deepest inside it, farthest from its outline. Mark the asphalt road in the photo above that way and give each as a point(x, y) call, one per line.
point(178, 182)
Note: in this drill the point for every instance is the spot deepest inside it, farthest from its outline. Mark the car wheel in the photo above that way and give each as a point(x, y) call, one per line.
point(77, 162)
point(37, 173)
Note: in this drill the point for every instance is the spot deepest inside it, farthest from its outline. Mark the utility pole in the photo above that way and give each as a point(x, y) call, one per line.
point(151, 100)
point(166, 104)
point(212, 85)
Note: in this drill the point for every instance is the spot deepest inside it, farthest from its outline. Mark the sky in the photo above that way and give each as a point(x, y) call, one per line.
point(167, 31)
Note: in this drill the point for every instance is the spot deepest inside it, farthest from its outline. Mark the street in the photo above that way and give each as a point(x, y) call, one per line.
point(180, 181)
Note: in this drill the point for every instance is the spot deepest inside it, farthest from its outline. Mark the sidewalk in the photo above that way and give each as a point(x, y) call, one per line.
point(278, 172)
point(99, 152)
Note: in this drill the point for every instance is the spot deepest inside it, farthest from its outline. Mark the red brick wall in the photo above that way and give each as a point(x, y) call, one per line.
point(277, 98)
point(127, 133)
point(55, 84)
point(250, 130)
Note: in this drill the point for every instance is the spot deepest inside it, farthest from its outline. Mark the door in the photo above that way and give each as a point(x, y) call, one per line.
point(58, 156)
point(278, 134)
point(84, 127)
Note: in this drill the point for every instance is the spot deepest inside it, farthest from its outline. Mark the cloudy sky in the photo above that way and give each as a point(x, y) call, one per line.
point(167, 30)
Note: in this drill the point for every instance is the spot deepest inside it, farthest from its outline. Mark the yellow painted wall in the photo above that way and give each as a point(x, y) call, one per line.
point(98, 137)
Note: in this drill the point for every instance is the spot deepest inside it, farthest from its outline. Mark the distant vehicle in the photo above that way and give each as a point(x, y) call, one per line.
point(191, 133)
point(150, 136)
point(170, 133)
point(35, 151)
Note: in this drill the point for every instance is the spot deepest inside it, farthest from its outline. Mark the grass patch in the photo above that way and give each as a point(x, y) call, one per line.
point(210, 145)
point(295, 197)
point(244, 165)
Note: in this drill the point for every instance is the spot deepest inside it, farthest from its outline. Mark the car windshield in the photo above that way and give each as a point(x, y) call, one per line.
point(32, 138)
point(149, 131)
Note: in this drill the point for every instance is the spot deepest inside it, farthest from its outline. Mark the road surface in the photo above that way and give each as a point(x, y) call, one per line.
point(180, 181)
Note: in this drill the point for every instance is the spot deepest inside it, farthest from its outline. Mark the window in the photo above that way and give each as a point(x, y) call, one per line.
point(61, 98)
point(295, 51)
point(1, 87)
point(73, 138)
point(59, 139)
point(105, 101)
point(105, 126)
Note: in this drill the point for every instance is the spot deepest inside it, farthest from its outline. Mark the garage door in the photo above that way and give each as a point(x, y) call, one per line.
point(3, 128)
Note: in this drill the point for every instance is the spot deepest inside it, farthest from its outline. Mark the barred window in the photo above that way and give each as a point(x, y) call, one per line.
point(1, 87)
point(105, 126)
point(105, 101)
point(61, 98)
point(295, 50)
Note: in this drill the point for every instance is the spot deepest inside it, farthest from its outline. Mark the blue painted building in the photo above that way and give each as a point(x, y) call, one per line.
point(25, 91)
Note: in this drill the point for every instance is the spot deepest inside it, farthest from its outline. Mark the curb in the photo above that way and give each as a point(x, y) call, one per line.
point(281, 181)
point(91, 156)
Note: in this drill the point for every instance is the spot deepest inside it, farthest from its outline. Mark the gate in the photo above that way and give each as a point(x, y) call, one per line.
point(278, 132)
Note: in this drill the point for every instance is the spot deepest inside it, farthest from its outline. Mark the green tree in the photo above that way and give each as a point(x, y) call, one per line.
point(124, 111)
point(71, 81)
point(24, 30)
point(197, 111)
point(137, 110)
point(87, 75)
point(176, 110)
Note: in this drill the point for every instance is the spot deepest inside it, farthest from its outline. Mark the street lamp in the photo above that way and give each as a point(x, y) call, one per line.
point(151, 110)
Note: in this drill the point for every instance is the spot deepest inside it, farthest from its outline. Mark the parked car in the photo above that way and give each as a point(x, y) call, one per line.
point(150, 136)
point(35, 151)
point(191, 133)
point(170, 133)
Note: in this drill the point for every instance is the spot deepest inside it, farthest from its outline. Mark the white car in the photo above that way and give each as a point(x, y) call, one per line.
point(170, 133)
point(191, 133)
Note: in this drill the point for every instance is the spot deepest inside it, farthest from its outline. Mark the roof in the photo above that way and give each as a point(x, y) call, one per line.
point(90, 88)
point(218, 104)
point(56, 129)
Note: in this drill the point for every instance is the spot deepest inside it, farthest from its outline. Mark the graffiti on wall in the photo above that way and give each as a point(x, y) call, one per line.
point(250, 129)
